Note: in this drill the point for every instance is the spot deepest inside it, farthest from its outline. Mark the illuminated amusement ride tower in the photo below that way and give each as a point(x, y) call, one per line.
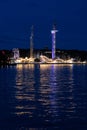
point(53, 32)
point(31, 43)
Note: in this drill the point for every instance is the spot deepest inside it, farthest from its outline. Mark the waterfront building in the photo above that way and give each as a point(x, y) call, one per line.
point(16, 53)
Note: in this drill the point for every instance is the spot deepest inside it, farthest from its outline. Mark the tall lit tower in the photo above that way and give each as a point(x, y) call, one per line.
point(53, 32)
point(31, 43)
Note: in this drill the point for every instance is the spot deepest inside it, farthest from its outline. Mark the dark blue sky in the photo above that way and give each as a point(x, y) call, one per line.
point(17, 17)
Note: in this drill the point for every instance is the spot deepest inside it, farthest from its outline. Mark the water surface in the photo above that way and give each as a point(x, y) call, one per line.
point(43, 96)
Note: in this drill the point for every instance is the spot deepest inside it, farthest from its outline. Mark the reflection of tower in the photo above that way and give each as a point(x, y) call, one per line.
point(16, 53)
point(31, 43)
point(53, 32)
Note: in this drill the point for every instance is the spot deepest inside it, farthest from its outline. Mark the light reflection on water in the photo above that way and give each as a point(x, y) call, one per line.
point(55, 90)
point(45, 92)
point(25, 91)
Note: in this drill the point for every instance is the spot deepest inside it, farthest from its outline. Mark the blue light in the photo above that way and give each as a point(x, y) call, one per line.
point(53, 32)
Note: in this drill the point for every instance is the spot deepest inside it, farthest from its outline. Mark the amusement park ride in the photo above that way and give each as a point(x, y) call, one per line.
point(42, 58)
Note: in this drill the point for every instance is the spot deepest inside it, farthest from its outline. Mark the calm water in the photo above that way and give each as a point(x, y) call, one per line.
point(43, 97)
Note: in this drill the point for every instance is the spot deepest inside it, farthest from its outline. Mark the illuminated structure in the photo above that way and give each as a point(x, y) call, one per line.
point(42, 58)
point(53, 32)
point(16, 53)
point(31, 43)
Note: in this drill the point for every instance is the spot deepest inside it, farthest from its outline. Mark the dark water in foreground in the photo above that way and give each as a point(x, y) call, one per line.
point(43, 97)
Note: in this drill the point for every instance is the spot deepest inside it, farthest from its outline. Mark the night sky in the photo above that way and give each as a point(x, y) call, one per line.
point(17, 17)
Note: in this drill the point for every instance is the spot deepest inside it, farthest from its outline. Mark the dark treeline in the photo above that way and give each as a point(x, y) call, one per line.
point(5, 55)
